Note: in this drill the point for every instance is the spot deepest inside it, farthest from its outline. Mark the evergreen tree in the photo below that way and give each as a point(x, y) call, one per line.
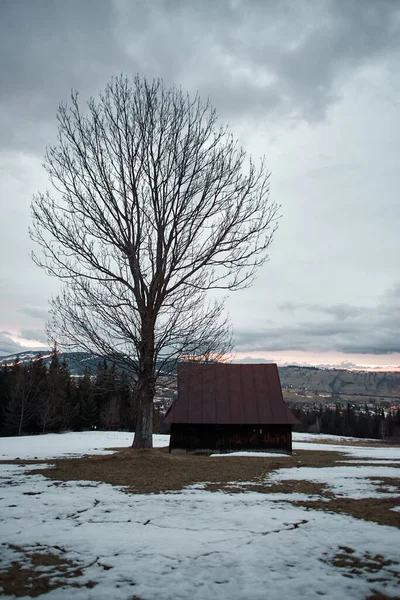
point(23, 393)
point(39, 377)
point(103, 388)
point(68, 407)
point(127, 420)
point(88, 412)
point(5, 387)
point(49, 407)
point(110, 410)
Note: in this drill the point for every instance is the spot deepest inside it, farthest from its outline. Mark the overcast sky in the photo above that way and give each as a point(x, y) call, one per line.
point(315, 86)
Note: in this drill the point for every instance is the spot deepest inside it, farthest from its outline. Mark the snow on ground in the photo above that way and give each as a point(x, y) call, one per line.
point(72, 444)
point(299, 436)
point(373, 461)
point(343, 481)
point(375, 452)
point(192, 544)
point(68, 445)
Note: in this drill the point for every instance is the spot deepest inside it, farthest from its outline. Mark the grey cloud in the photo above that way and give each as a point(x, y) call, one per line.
point(346, 364)
point(262, 62)
point(343, 311)
point(7, 345)
point(34, 311)
point(362, 330)
point(252, 360)
point(364, 338)
point(393, 293)
point(263, 58)
point(343, 365)
point(283, 56)
point(46, 48)
point(34, 334)
point(339, 311)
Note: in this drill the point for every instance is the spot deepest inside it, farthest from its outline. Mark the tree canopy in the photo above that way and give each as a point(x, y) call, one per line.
point(152, 205)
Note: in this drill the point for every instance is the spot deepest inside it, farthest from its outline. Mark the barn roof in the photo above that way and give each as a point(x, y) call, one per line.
point(219, 393)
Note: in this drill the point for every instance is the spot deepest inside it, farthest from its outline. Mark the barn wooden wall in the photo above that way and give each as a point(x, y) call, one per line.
point(230, 438)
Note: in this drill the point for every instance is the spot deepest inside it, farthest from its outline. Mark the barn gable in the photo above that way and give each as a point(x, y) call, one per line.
point(228, 407)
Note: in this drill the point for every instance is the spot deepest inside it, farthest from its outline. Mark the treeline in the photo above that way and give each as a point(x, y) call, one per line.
point(37, 399)
point(365, 423)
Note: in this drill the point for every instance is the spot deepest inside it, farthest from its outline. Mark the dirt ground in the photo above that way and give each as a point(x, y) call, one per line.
point(156, 471)
point(355, 442)
point(368, 566)
point(41, 572)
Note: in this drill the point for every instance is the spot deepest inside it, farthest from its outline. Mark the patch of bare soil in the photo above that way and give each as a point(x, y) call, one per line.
point(157, 471)
point(40, 572)
point(310, 488)
point(379, 596)
point(372, 568)
point(355, 462)
point(377, 510)
point(387, 484)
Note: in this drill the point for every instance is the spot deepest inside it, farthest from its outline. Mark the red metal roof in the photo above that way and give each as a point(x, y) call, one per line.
point(227, 394)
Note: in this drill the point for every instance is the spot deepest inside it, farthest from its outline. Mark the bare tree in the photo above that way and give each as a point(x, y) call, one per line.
point(152, 206)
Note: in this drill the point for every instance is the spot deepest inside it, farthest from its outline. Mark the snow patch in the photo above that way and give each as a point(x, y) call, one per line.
point(343, 481)
point(194, 544)
point(68, 445)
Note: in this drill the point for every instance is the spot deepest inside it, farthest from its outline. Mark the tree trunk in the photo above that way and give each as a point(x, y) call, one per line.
point(144, 416)
point(145, 387)
point(21, 420)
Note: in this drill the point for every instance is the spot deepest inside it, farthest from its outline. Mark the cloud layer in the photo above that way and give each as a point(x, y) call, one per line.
point(7, 345)
point(313, 85)
point(281, 59)
point(340, 328)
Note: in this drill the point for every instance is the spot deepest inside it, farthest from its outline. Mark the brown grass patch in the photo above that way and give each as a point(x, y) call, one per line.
point(157, 471)
point(354, 442)
point(379, 596)
point(377, 510)
point(39, 573)
point(289, 486)
point(386, 484)
point(372, 568)
point(364, 463)
point(369, 563)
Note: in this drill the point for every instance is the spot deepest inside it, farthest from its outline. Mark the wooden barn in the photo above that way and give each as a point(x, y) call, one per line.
point(229, 407)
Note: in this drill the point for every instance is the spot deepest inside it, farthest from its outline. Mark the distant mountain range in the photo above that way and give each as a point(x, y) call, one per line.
point(340, 382)
point(77, 362)
point(331, 381)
